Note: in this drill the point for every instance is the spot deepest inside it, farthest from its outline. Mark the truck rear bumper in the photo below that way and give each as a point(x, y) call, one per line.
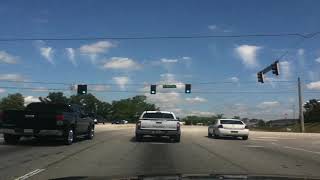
point(157, 132)
point(31, 132)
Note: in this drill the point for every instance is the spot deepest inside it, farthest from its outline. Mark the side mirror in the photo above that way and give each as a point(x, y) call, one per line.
point(178, 118)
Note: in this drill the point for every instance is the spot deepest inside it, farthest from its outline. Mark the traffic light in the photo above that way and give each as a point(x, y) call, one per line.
point(82, 89)
point(260, 77)
point(188, 88)
point(275, 68)
point(153, 89)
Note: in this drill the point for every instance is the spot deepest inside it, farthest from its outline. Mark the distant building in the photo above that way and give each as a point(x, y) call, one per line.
point(281, 122)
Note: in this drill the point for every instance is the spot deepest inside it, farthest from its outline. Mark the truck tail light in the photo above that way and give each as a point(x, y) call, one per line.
point(138, 124)
point(59, 117)
point(220, 126)
point(178, 126)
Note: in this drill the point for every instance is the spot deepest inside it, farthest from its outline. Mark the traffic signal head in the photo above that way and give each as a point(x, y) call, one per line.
point(188, 88)
point(153, 89)
point(260, 77)
point(82, 89)
point(275, 68)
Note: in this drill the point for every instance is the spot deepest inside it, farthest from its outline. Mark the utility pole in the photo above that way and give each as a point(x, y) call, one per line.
point(300, 106)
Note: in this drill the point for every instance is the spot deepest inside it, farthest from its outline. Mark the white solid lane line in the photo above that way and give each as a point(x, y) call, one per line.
point(255, 139)
point(28, 175)
point(300, 149)
point(254, 146)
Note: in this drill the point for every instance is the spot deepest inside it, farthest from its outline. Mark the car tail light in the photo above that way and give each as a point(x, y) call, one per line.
point(59, 117)
point(220, 126)
point(246, 127)
point(138, 124)
point(178, 126)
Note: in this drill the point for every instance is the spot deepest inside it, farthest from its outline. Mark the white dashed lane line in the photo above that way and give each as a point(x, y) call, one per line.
point(254, 146)
point(280, 138)
point(300, 149)
point(30, 174)
point(255, 139)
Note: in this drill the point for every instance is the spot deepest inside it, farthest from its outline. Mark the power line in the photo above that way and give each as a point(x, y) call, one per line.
point(127, 91)
point(300, 35)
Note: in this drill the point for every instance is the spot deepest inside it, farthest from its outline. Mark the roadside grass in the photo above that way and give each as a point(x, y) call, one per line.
point(309, 128)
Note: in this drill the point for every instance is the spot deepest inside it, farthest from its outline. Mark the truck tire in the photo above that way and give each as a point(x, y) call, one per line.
point(138, 137)
point(69, 136)
point(177, 138)
point(11, 139)
point(90, 133)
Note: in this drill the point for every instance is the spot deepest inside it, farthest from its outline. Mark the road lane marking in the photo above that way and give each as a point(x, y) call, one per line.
point(276, 138)
point(255, 139)
point(300, 149)
point(254, 146)
point(276, 144)
point(30, 174)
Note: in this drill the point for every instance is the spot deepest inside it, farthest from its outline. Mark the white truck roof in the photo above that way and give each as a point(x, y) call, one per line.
point(159, 112)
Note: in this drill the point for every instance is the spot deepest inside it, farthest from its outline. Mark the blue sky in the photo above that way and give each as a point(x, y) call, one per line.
point(126, 65)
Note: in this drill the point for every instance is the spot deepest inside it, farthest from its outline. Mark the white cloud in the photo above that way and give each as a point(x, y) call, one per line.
point(7, 58)
point(47, 53)
point(71, 55)
point(99, 87)
point(318, 60)
point(165, 60)
point(166, 101)
point(122, 81)
point(121, 63)
point(11, 77)
point(248, 55)
point(314, 85)
point(171, 79)
point(92, 50)
point(186, 58)
point(30, 99)
point(212, 27)
point(40, 89)
point(2, 90)
point(200, 113)
point(196, 100)
point(268, 104)
point(285, 69)
point(234, 79)
point(300, 52)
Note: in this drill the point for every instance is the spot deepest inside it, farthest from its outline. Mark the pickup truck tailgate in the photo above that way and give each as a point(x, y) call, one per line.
point(159, 124)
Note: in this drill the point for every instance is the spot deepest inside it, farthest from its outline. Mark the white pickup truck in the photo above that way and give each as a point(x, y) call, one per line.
point(158, 123)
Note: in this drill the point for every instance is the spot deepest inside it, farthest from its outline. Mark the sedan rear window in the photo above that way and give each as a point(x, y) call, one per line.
point(230, 122)
point(158, 115)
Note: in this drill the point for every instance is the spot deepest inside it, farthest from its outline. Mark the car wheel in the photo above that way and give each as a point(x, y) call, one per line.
point(177, 138)
point(90, 133)
point(138, 137)
point(244, 137)
point(209, 134)
point(11, 139)
point(69, 137)
point(216, 136)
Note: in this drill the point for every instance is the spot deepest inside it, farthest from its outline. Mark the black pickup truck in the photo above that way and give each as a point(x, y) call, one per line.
point(44, 120)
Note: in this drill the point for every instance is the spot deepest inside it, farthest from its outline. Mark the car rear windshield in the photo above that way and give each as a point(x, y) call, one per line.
point(158, 116)
point(43, 107)
point(230, 122)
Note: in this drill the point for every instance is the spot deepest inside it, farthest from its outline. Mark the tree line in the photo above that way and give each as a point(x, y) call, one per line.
point(125, 109)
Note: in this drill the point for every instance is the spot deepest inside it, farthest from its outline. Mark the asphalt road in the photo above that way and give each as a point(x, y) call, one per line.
point(114, 152)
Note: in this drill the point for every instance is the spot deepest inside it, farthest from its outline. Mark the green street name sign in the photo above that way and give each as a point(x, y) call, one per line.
point(169, 86)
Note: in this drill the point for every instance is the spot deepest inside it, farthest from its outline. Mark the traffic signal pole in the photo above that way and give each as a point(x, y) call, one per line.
point(301, 117)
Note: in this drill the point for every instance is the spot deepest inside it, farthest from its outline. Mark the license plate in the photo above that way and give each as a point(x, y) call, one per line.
point(234, 131)
point(156, 132)
point(28, 130)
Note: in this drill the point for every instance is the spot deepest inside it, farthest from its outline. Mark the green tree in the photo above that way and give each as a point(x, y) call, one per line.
point(236, 117)
point(57, 97)
point(88, 101)
point(12, 102)
point(312, 113)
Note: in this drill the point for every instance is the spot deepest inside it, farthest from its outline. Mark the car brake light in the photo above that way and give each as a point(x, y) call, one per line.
point(178, 125)
point(59, 117)
point(246, 127)
point(138, 124)
point(220, 126)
